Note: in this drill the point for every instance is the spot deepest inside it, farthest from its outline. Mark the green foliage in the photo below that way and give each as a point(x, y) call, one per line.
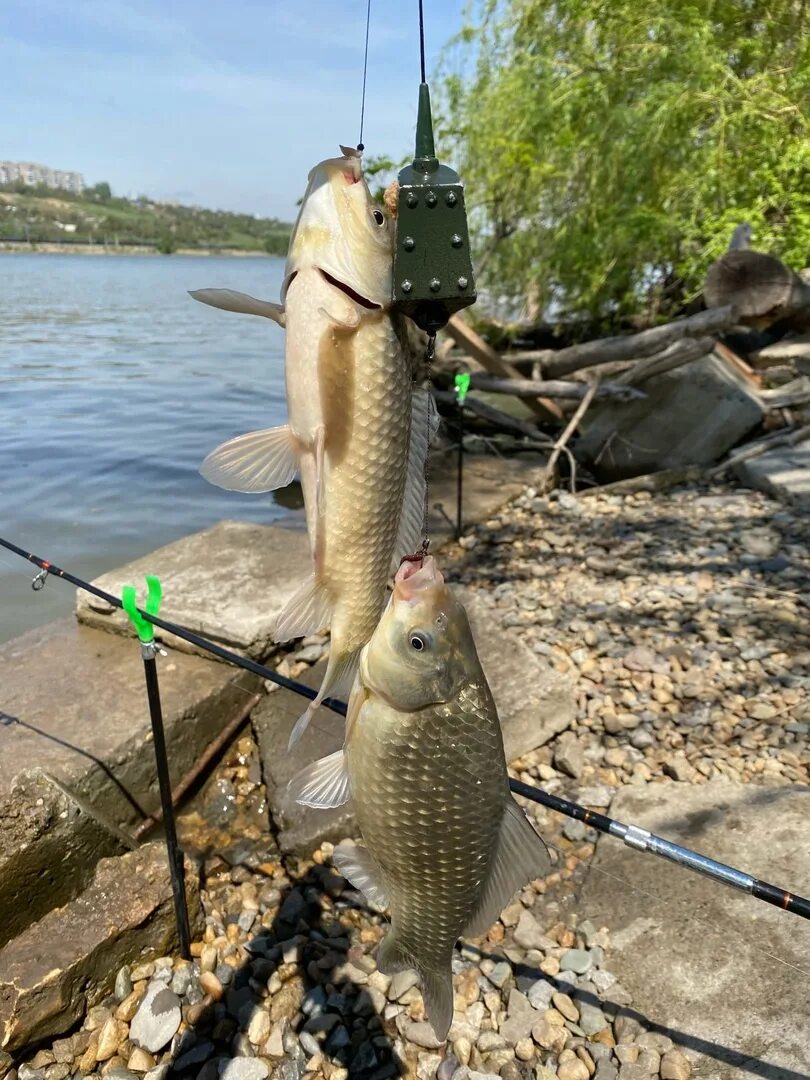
point(40, 214)
point(609, 149)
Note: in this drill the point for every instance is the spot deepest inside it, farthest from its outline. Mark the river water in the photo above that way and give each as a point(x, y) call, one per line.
point(114, 385)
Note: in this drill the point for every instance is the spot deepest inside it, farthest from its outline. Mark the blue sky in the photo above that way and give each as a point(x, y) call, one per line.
point(224, 104)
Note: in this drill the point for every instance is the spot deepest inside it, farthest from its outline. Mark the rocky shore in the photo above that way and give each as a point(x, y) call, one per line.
point(683, 618)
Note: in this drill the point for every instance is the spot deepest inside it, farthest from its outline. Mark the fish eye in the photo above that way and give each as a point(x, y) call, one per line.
point(418, 641)
point(379, 217)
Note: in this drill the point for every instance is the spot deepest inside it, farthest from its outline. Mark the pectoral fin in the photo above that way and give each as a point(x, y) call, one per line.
point(229, 300)
point(308, 609)
point(520, 856)
point(259, 461)
point(324, 784)
point(358, 867)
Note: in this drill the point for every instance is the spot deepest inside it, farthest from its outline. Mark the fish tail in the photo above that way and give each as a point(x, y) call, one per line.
point(340, 674)
point(437, 983)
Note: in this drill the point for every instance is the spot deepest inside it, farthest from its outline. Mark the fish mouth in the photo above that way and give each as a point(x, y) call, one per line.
point(347, 290)
point(414, 576)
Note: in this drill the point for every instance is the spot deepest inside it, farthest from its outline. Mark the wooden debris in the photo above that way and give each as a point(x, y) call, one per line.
point(562, 443)
point(575, 391)
point(762, 289)
point(466, 338)
point(494, 416)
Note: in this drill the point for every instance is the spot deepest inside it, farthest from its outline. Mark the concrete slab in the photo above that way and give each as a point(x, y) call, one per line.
point(80, 694)
point(67, 961)
point(489, 482)
point(722, 974)
point(534, 704)
point(691, 416)
point(227, 583)
point(784, 472)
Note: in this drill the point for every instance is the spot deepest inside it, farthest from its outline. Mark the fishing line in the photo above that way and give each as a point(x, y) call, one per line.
point(634, 837)
point(360, 145)
point(422, 42)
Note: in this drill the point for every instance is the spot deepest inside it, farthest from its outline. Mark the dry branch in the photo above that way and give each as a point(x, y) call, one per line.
point(561, 444)
point(762, 446)
point(674, 356)
point(556, 363)
point(494, 416)
point(575, 391)
point(466, 338)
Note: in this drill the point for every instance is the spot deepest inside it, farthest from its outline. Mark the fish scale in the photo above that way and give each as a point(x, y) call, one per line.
point(430, 784)
point(366, 486)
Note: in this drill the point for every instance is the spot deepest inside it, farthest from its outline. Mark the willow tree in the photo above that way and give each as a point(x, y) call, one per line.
point(610, 148)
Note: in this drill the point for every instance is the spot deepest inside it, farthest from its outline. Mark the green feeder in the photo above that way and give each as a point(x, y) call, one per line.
point(433, 274)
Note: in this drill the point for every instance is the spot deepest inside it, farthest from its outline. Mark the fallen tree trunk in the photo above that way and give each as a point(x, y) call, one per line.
point(674, 356)
point(560, 362)
point(466, 338)
point(574, 391)
point(494, 416)
point(762, 289)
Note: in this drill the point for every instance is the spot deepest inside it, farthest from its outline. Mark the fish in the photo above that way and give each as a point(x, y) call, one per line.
point(358, 427)
point(444, 844)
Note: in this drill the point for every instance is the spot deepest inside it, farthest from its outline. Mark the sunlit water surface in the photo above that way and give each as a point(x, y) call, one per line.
point(114, 385)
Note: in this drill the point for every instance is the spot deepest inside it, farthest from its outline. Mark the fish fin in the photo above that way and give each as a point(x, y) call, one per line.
point(520, 856)
point(324, 784)
point(357, 865)
point(437, 993)
point(337, 682)
point(424, 423)
point(258, 461)
point(229, 300)
point(308, 609)
point(391, 957)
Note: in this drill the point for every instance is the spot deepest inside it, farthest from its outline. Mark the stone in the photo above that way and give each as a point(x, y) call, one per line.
point(67, 960)
point(123, 984)
point(549, 1036)
point(140, 1061)
point(675, 1066)
point(783, 472)
point(244, 1068)
point(591, 1018)
point(573, 1069)
point(110, 1038)
point(227, 583)
point(760, 829)
point(576, 960)
point(563, 1003)
point(529, 933)
point(520, 1018)
point(259, 1027)
point(157, 1019)
point(569, 755)
point(500, 974)
point(420, 1033)
point(606, 1070)
point(93, 699)
point(691, 415)
point(540, 994)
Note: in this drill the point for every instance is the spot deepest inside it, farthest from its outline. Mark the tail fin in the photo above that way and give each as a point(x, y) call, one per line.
point(437, 984)
point(337, 682)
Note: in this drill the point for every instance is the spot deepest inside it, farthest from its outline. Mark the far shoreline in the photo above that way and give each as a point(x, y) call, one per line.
point(15, 247)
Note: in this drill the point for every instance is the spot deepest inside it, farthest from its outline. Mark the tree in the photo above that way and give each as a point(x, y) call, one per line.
point(609, 149)
point(100, 192)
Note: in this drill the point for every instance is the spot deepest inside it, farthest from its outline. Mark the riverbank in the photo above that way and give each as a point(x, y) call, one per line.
point(12, 247)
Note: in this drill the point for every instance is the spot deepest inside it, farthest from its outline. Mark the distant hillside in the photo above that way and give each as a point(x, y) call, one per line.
point(49, 215)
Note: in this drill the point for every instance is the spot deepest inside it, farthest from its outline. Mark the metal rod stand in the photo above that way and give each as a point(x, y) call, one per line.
point(176, 859)
point(460, 482)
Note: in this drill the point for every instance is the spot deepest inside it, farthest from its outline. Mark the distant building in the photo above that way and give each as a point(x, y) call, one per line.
point(12, 172)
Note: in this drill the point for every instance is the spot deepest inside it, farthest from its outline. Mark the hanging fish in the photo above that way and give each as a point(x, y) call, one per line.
point(358, 428)
point(446, 845)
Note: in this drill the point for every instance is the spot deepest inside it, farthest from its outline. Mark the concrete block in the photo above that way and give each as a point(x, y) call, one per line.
point(68, 960)
point(691, 415)
point(784, 472)
point(80, 699)
point(713, 967)
point(227, 583)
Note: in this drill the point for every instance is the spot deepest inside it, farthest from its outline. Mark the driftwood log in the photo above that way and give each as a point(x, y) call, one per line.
point(573, 391)
point(560, 362)
point(474, 345)
point(762, 289)
point(501, 420)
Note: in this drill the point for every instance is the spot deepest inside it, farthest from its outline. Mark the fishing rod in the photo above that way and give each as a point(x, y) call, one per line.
point(632, 835)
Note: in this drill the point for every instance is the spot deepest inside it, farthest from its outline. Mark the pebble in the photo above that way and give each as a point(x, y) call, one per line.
point(140, 1061)
point(573, 1069)
point(577, 960)
point(500, 974)
point(675, 1066)
point(244, 1068)
point(123, 984)
point(110, 1037)
point(563, 1003)
point(157, 1019)
point(259, 1027)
